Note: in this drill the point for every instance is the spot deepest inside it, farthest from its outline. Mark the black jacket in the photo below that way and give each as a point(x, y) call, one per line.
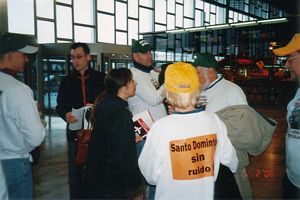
point(70, 90)
point(112, 168)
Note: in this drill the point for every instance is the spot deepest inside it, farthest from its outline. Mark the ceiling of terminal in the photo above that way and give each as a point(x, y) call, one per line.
point(291, 6)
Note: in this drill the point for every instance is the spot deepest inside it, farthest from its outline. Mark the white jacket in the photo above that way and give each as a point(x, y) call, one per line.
point(146, 96)
point(21, 129)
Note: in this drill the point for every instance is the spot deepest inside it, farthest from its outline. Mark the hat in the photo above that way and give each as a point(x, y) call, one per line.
point(10, 42)
point(181, 78)
point(141, 46)
point(205, 60)
point(291, 47)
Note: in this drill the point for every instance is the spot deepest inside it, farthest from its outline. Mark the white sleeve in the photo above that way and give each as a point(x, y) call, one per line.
point(228, 155)
point(147, 92)
point(27, 118)
point(238, 96)
point(151, 157)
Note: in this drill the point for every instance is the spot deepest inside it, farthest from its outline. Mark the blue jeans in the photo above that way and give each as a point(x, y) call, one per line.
point(18, 178)
point(151, 188)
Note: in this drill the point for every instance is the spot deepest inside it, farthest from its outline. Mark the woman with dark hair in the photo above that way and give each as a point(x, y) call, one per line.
point(112, 170)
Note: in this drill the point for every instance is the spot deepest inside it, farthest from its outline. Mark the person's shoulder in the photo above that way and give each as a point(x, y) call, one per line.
point(231, 84)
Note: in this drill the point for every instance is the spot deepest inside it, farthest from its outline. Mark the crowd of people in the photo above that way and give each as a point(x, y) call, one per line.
point(198, 146)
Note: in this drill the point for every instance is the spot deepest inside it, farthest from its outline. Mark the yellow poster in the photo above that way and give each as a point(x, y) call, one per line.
point(193, 158)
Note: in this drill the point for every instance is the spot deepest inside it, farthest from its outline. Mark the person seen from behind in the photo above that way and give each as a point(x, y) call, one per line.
point(186, 147)
point(111, 169)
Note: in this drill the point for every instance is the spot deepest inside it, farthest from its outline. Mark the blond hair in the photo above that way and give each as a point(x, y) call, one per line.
point(183, 100)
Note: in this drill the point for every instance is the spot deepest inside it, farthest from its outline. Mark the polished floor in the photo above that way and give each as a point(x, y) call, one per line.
point(265, 171)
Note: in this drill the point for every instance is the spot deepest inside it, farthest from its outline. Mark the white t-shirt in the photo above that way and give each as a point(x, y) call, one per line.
point(222, 93)
point(147, 97)
point(182, 154)
point(292, 140)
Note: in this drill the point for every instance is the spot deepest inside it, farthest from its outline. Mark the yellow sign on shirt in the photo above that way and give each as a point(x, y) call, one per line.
point(193, 158)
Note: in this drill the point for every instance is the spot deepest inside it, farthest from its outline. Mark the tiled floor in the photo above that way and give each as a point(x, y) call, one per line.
point(265, 171)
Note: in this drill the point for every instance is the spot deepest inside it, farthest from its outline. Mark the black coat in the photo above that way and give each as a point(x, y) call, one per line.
point(112, 168)
point(70, 90)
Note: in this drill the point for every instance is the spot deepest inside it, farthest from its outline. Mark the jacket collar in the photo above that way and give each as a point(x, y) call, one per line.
point(142, 67)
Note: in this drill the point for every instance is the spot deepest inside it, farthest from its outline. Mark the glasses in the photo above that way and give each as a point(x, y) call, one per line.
point(291, 59)
point(79, 57)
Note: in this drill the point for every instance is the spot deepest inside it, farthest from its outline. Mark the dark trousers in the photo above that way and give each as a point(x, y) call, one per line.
point(75, 172)
point(289, 190)
point(225, 185)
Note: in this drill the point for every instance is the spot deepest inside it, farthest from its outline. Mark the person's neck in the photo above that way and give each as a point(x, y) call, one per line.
point(187, 109)
point(81, 72)
point(8, 70)
point(142, 67)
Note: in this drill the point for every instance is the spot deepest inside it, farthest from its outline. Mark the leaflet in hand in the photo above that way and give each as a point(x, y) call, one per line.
point(80, 114)
point(142, 123)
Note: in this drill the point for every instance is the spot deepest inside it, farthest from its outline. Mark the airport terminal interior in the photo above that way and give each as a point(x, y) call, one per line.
point(239, 33)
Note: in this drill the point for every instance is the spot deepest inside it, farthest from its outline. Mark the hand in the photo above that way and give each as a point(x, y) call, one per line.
point(138, 138)
point(139, 197)
point(70, 118)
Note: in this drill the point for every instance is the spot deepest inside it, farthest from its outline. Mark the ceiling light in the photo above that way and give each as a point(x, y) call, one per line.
point(175, 31)
point(249, 23)
point(272, 21)
point(195, 29)
point(218, 26)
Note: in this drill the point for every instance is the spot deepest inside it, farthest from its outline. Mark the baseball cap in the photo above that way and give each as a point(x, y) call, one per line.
point(291, 47)
point(10, 42)
point(141, 46)
point(181, 78)
point(205, 60)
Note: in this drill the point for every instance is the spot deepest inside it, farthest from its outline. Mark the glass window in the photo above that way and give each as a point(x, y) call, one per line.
point(121, 38)
point(45, 8)
point(45, 32)
point(84, 12)
point(199, 4)
point(160, 27)
point(132, 30)
point(178, 57)
point(220, 15)
point(133, 8)
point(198, 18)
point(212, 20)
point(179, 15)
point(189, 8)
point(106, 29)
point(20, 16)
point(121, 16)
point(179, 1)
point(170, 56)
point(160, 55)
point(235, 16)
point(106, 5)
point(207, 11)
point(188, 23)
point(147, 3)
point(160, 11)
point(64, 1)
point(212, 8)
point(171, 22)
point(64, 22)
point(84, 34)
point(171, 6)
point(146, 23)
